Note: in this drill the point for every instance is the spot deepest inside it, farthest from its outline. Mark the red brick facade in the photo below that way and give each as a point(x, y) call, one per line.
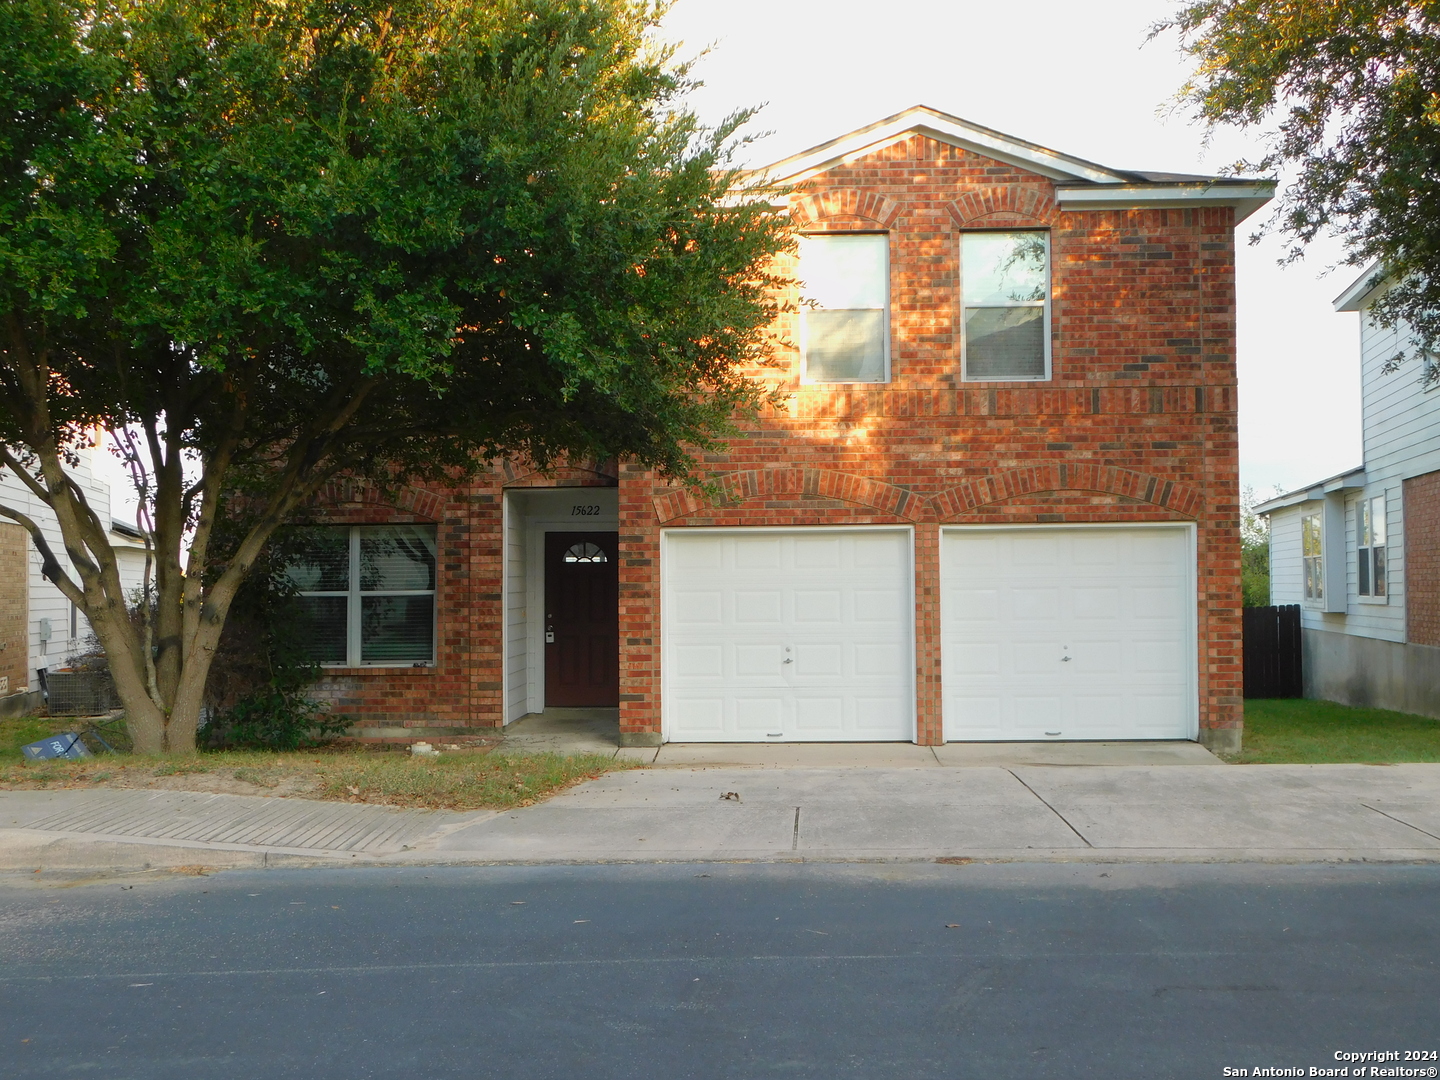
point(1137, 424)
point(1422, 559)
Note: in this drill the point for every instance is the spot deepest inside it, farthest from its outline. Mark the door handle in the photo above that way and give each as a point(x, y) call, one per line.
point(1065, 659)
point(787, 660)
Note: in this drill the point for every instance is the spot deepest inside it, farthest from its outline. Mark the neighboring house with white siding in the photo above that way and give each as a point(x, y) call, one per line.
point(39, 626)
point(1360, 551)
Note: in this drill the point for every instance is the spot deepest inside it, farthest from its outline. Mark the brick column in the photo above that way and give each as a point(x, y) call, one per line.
point(1421, 511)
point(639, 610)
point(929, 723)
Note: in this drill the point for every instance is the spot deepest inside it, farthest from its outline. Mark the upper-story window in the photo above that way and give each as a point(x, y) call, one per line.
point(1311, 556)
point(368, 592)
point(1005, 293)
point(1370, 542)
point(845, 314)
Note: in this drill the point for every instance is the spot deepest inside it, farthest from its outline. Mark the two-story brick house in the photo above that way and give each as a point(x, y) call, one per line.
point(1000, 500)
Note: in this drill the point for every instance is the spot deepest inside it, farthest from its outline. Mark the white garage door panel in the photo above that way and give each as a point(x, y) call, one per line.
point(1055, 633)
point(788, 636)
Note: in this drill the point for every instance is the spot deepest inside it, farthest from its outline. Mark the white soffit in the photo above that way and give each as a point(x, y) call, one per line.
point(1246, 197)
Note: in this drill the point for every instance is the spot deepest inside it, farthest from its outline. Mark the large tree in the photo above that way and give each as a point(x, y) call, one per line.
point(279, 240)
point(1348, 92)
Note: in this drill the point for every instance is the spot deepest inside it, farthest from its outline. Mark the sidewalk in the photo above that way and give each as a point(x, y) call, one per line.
point(1286, 813)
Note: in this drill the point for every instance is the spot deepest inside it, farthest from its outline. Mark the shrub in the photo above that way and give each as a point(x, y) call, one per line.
point(275, 718)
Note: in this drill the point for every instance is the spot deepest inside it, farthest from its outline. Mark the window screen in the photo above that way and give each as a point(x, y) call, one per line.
point(845, 289)
point(1005, 290)
point(368, 593)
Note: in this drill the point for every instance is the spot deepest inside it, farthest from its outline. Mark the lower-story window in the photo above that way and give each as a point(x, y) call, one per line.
point(1370, 542)
point(1311, 553)
point(368, 592)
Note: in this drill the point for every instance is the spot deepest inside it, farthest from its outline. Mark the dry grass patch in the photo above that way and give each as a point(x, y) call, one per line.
point(480, 779)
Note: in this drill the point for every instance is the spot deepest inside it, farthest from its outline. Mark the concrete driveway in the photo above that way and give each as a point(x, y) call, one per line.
point(1280, 812)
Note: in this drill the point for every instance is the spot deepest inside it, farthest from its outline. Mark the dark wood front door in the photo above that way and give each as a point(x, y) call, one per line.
point(582, 619)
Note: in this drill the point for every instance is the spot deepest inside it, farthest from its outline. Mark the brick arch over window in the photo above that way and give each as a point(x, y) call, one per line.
point(983, 491)
point(1004, 204)
point(347, 494)
point(845, 203)
point(740, 487)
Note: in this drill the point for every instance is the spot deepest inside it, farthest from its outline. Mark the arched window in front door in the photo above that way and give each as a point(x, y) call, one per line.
point(585, 552)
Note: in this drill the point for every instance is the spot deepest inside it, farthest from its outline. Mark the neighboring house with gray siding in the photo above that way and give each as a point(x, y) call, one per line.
point(1360, 551)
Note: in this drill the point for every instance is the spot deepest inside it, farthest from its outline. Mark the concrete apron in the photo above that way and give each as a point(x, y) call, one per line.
point(1282, 813)
point(597, 731)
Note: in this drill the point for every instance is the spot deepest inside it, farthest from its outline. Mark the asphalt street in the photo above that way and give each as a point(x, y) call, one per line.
point(915, 971)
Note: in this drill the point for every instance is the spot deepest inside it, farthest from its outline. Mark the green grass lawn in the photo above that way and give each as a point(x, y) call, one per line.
point(1299, 731)
point(462, 780)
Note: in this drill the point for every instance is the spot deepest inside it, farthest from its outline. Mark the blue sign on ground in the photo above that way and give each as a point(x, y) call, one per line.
point(64, 745)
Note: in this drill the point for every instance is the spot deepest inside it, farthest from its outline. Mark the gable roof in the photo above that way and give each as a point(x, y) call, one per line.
point(1080, 184)
point(1358, 294)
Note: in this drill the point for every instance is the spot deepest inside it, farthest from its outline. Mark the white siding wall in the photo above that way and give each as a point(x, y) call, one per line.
point(46, 601)
point(1287, 584)
point(1401, 419)
point(130, 560)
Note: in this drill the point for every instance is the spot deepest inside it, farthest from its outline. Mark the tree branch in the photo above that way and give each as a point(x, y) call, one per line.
point(49, 565)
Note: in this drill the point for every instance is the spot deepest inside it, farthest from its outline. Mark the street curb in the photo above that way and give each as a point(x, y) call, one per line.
point(97, 852)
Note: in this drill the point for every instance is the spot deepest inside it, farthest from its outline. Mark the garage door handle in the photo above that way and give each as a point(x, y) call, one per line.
point(1064, 659)
point(787, 660)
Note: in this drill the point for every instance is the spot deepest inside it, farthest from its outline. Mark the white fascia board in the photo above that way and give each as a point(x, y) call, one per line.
point(1294, 498)
point(1363, 289)
point(1353, 480)
point(1246, 198)
point(944, 128)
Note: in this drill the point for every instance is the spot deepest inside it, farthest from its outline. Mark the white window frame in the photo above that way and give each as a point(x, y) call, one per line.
point(1368, 570)
point(805, 379)
point(354, 605)
point(1317, 577)
point(1049, 290)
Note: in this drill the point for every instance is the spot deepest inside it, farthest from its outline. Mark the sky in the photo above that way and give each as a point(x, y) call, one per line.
point(1076, 77)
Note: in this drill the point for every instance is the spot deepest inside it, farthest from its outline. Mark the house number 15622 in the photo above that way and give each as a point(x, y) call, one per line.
point(584, 511)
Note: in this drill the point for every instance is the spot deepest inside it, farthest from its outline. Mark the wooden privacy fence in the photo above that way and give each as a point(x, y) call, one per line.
point(1272, 652)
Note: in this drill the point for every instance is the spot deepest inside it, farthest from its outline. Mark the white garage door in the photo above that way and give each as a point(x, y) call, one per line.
point(788, 635)
point(1056, 633)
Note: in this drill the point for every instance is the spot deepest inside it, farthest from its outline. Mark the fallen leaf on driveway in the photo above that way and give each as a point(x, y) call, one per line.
point(733, 796)
point(952, 926)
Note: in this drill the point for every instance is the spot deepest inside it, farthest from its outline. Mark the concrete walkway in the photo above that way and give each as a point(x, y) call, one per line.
point(1289, 813)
